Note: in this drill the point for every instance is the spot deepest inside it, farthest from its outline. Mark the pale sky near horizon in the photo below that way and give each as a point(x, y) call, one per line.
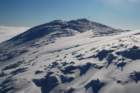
point(116, 13)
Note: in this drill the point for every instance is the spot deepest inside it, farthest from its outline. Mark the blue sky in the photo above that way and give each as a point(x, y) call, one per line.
point(116, 13)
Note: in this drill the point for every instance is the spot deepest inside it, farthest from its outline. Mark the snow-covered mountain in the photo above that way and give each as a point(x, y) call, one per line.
point(77, 56)
point(7, 32)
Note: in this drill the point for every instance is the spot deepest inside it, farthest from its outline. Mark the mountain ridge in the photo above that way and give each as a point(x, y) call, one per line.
point(51, 31)
point(63, 28)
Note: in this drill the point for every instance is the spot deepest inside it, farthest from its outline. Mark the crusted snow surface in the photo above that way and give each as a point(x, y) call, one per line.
point(82, 63)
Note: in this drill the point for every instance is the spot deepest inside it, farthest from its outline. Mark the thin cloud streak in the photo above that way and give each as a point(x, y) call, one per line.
point(116, 2)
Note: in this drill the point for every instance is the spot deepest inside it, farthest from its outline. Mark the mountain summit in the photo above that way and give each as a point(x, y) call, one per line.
point(77, 56)
point(49, 32)
point(59, 28)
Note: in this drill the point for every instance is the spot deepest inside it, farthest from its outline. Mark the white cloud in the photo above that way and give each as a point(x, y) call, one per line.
point(133, 1)
point(7, 32)
point(116, 2)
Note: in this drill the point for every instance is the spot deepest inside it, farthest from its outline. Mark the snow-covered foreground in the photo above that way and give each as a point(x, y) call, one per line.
point(9, 32)
point(81, 63)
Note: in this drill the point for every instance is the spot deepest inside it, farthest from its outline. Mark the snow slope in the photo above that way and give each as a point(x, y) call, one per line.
point(79, 63)
point(9, 32)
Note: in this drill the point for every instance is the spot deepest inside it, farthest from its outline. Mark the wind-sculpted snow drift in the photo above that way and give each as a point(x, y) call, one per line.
point(77, 56)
